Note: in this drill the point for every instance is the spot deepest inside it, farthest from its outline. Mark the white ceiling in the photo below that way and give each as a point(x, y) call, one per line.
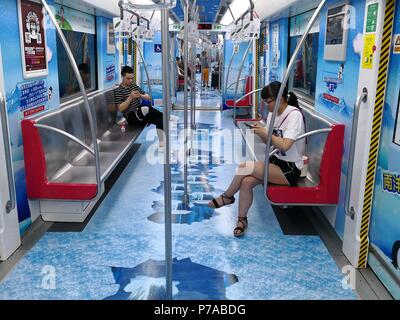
point(266, 9)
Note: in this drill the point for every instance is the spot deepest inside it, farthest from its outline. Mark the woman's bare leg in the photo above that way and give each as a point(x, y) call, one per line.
point(246, 194)
point(255, 169)
point(276, 176)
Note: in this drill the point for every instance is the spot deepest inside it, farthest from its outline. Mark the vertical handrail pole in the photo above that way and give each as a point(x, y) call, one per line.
point(238, 78)
point(167, 154)
point(11, 203)
point(228, 71)
point(282, 88)
point(362, 98)
point(74, 66)
point(194, 88)
point(145, 69)
point(185, 103)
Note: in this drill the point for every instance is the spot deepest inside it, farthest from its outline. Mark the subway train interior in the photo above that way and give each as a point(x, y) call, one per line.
point(200, 150)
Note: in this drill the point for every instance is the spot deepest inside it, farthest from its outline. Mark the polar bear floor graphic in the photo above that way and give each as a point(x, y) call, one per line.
point(191, 281)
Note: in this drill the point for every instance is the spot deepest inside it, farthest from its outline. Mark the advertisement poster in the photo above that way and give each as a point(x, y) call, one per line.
point(266, 55)
point(74, 20)
point(33, 97)
point(279, 29)
point(235, 68)
point(275, 46)
point(110, 72)
point(110, 38)
point(396, 138)
point(153, 58)
point(32, 38)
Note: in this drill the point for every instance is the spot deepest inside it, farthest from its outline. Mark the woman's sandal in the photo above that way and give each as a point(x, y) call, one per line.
point(241, 226)
point(223, 197)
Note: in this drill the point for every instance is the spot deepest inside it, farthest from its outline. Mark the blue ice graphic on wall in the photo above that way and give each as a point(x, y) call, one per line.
point(191, 281)
point(200, 188)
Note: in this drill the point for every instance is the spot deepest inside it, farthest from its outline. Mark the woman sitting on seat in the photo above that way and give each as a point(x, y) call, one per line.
point(284, 167)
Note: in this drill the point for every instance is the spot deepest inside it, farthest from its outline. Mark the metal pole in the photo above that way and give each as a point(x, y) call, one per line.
point(230, 10)
point(11, 203)
point(282, 88)
point(248, 94)
point(194, 87)
point(185, 103)
point(238, 78)
point(167, 160)
point(65, 134)
point(74, 66)
point(145, 68)
point(362, 98)
point(229, 69)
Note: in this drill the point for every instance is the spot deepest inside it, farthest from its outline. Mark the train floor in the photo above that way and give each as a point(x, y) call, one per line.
point(120, 254)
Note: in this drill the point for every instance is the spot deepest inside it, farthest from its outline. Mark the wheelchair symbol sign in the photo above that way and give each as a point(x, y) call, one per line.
point(157, 48)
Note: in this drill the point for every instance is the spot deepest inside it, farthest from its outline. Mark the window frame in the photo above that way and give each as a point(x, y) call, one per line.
point(76, 95)
point(302, 95)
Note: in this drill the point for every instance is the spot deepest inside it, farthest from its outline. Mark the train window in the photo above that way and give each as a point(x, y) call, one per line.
point(83, 47)
point(303, 77)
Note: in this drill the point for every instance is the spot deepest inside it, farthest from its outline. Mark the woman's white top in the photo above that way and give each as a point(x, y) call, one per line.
point(290, 125)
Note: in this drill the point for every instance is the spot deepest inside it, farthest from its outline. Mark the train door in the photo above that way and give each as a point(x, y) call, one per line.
point(384, 257)
point(372, 220)
point(9, 228)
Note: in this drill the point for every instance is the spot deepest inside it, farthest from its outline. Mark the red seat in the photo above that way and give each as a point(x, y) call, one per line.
point(38, 186)
point(327, 191)
point(246, 102)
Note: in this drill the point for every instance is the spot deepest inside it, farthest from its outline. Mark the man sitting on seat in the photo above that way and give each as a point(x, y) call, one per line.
point(128, 98)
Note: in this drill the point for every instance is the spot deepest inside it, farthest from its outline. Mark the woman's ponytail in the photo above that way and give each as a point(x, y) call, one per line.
point(292, 100)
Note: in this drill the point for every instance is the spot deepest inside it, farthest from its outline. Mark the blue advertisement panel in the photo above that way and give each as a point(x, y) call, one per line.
point(336, 86)
point(152, 52)
point(107, 63)
point(385, 220)
point(278, 48)
point(24, 97)
point(235, 67)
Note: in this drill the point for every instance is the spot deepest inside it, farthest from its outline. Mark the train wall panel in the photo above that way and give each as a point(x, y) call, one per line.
point(336, 92)
point(37, 94)
point(16, 88)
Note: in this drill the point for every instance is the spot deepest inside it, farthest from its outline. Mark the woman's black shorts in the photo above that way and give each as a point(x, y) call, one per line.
point(289, 169)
